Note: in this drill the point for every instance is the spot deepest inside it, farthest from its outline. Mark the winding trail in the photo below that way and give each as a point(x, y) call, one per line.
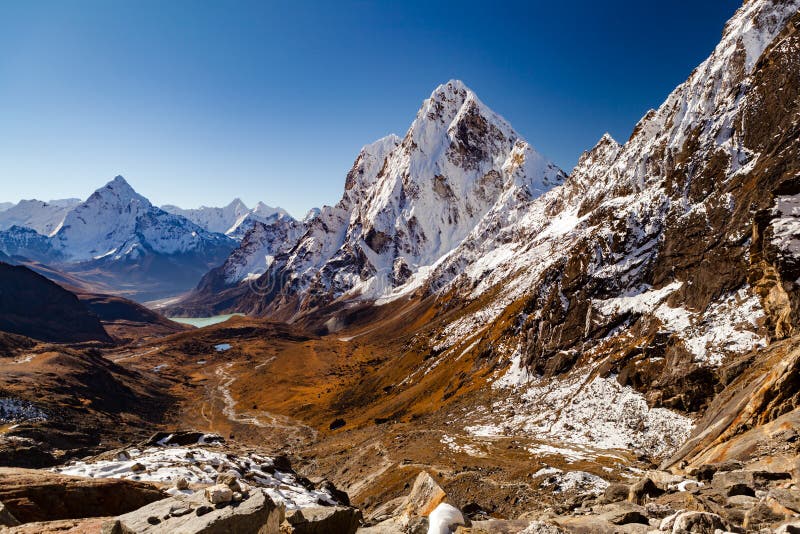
point(262, 419)
point(135, 355)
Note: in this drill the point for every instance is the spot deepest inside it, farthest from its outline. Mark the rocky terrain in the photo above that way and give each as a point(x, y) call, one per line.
point(471, 340)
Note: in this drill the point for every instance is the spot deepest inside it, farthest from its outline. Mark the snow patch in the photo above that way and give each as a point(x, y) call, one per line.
point(201, 466)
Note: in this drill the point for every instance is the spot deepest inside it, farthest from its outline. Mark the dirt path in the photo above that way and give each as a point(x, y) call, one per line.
point(128, 356)
point(287, 426)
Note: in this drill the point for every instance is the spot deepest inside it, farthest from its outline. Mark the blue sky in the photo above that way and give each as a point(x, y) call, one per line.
point(197, 102)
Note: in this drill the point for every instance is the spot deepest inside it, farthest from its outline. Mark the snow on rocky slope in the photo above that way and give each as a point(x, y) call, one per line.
point(199, 466)
point(407, 203)
point(43, 217)
point(655, 262)
point(233, 220)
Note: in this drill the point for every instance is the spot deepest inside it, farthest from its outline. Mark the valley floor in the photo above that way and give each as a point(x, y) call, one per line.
point(304, 395)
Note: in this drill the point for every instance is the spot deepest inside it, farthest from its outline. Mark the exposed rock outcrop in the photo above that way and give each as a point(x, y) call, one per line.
point(33, 495)
point(255, 514)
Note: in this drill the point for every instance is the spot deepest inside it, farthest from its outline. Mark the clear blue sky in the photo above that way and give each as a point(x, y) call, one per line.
point(197, 102)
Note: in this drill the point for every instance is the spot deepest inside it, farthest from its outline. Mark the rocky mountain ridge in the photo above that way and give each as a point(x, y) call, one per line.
point(43, 217)
point(611, 351)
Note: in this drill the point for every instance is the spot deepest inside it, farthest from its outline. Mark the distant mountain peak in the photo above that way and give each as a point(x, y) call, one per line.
point(121, 191)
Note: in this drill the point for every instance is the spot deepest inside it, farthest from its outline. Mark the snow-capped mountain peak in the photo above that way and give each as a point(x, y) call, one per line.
point(233, 220)
point(120, 193)
point(43, 217)
point(409, 202)
point(117, 221)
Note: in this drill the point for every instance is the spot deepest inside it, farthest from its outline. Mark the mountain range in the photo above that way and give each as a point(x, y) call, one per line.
point(233, 220)
point(119, 239)
point(614, 297)
point(610, 349)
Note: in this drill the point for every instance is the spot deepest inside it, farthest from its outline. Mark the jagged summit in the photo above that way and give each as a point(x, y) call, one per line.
point(233, 220)
point(121, 190)
point(408, 202)
point(116, 221)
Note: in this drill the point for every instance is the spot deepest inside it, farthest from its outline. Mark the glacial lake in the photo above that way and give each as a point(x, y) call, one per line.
point(200, 322)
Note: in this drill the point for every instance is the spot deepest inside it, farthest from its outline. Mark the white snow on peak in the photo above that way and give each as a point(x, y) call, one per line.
point(117, 218)
point(44, 217)
point(233, 220)
point(409, 202)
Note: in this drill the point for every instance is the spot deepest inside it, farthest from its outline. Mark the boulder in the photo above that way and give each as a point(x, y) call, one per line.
point(386, 510)
point(324, 520)
point(746, 482)
point(664, 479)
point(505, 526)
point(615, 492)
point(694, 523)
point(765, 513)
point(258, 514)
point(596, 525)
point(787, 498)
point(231, 480)
point(425, 496)
point(219, 494)
point(7, 519)
point(92, 525)
point(396, 525)
point(658, 510)
point(138, 468)
point(624, 513)
point(642, 490)
point(742, 501)
point(33, 495)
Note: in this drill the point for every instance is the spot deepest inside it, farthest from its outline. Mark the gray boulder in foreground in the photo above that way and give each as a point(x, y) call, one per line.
point(257, 514)
point(324, 520)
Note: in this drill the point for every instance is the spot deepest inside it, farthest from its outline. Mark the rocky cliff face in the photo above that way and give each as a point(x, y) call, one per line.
point(653, 265)
point(657, 261)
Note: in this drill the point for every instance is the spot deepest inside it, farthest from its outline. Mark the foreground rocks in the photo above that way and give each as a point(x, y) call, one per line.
point(30, 495)
point(185, 482)
point(255, 514)
point(424, 509)
point(725, 498)
point(323, 520)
